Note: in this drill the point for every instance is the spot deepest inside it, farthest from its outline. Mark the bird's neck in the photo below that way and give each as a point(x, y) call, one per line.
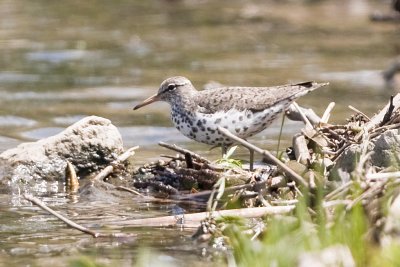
point(185, 104)
point(185, 101)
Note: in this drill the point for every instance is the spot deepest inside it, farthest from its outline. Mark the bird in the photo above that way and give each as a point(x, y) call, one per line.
point(244, 111)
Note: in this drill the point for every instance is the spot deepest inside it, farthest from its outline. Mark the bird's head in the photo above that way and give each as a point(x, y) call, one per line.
point(168, 91)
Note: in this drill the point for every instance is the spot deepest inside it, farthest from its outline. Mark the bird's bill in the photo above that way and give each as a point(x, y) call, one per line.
point(147, 101)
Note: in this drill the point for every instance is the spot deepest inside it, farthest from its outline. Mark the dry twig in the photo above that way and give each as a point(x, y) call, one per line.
point(130, 190)
point(303, 116)
point(293, 114)
point(110, 168)
point(70, 223)
point(327, 113)
point(383, 175)
point(388, 113)
point(359, 112)
point(184, 152)
point(378, 118)
point(341, 189)
point(368, 194)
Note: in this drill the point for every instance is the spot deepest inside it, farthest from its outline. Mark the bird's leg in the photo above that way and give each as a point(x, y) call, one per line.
point(251, 164)
point(251, 160)
point(224, 150)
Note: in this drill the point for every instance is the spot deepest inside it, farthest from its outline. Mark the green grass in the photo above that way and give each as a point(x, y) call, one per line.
point(227, 161)
point(287, 238)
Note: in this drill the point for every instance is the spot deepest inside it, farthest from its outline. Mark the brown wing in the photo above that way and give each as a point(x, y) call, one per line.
point(251, 98)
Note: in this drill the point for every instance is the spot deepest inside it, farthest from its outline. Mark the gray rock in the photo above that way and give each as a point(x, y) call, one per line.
point(386, 153)
point(89, 144)
point(387, 149)
point(345, 164)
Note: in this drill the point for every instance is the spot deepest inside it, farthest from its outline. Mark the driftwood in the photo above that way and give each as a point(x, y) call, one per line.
point(301, 151)
point(303, 116)
point(193, 220)
point(298, 113)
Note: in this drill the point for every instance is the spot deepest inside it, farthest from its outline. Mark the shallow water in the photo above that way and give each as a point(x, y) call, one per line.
point(62, 61)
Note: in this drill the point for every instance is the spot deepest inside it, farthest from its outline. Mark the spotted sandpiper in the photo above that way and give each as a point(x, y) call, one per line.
point(244, 111)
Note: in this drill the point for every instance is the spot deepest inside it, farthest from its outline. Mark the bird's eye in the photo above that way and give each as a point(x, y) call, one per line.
point(171, 87)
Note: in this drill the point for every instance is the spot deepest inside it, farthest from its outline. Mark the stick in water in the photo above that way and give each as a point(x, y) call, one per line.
point(70, 223)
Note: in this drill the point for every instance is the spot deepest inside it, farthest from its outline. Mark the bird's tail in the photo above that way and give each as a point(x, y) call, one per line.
point(306, 87)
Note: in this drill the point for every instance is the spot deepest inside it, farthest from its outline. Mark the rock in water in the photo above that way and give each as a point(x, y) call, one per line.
point(89, 144)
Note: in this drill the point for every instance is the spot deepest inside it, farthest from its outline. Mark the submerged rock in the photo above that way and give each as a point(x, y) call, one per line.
point(387, 149)
point(89, 145)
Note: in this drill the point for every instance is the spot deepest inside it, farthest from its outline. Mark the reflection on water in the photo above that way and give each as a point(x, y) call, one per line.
point(27, 231)
point(372, 79)
point(57, 57)
point(65, 60)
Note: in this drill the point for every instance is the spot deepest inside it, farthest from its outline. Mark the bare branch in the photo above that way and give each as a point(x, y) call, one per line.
point(70, 223)
point(359, 112)
point(184, 152)
point(327, 113)
point(297, 113)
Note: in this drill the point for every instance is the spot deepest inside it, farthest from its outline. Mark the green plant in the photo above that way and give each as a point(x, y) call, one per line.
point(287, 238)
point(226, 160)
point(218, 187)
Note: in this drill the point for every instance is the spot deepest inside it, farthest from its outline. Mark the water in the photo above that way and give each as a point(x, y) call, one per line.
point(62, 61)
